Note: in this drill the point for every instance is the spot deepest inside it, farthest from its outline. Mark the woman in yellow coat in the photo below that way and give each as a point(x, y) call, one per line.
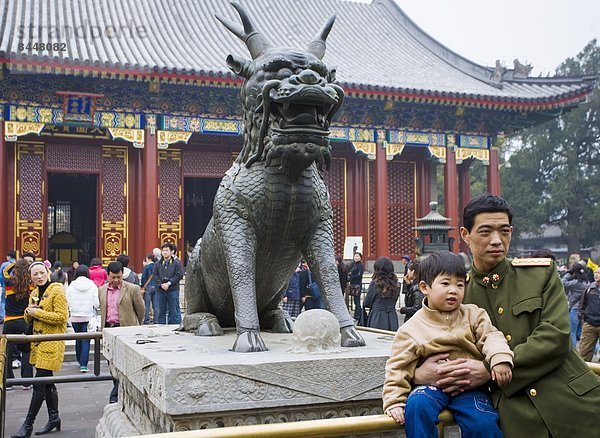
point(48, 312)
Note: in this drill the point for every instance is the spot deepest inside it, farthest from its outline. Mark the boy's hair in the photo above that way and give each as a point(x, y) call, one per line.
point(485, 203)
point(114, 267)
point(123, 259)
point(11, 253)
point(438, 263)
point(151, 257)
point(96, 262)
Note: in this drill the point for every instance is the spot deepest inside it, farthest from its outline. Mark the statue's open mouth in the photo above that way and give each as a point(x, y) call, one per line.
point(305, 110)
point(297, 114)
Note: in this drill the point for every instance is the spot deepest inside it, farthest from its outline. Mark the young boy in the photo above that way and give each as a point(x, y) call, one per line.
point(444, 325)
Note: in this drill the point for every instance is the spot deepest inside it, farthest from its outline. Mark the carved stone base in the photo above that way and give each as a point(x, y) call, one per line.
point(186, 382)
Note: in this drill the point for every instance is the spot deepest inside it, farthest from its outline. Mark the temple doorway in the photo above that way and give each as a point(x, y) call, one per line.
point(72, 217)
point(199, 195)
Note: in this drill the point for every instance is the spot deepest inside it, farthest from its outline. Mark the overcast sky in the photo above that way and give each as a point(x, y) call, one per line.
point(541, 33)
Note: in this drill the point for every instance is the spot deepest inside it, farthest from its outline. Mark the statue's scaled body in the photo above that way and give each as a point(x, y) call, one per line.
point(272, 207)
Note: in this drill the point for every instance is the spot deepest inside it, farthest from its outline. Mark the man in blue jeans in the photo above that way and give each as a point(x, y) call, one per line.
point(167, 274)
point(149, 288)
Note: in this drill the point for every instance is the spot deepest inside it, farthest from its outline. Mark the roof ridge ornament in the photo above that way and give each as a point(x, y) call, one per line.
point(256, 43)
point(498, 73)
point(521, 71)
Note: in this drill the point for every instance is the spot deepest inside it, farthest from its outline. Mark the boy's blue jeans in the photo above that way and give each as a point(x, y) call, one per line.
point(472, 410)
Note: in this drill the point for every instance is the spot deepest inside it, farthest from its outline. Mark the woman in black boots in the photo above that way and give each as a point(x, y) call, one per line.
point(47, 312)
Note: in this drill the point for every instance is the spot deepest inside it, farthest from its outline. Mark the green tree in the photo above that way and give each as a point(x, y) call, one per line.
point(554, 177)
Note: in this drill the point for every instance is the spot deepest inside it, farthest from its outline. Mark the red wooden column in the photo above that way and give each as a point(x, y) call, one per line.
point(139, 249)
point(464, 194)
point(351, 195)
point(150, 191)
point(362, 213)
point(4, 212)
point(451, 194)
point(424, 188)
point(381, 202)
point(493, 172)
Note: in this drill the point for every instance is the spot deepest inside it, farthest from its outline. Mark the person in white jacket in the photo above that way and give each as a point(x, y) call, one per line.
point(82, 296)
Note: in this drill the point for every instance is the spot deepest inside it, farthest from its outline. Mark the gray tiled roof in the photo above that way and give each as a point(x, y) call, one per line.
point(373, 45)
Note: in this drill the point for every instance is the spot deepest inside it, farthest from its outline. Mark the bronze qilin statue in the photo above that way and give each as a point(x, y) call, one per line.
point(272, 207)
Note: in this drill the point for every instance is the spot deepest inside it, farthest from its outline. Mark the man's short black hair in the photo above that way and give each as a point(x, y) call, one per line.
point(114, 267)
point(485, 203)
point(123, 259)
point(441, 262)
point(169, 245)
point(11, 253)
point(151, 257)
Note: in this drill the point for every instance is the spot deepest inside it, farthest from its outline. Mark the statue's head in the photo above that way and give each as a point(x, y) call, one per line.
point(289, 99)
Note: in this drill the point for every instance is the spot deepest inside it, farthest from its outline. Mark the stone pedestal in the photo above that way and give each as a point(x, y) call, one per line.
point(179, 381)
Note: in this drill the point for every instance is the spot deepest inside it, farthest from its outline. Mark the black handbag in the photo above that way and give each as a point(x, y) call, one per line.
point(313, 287)
point(354, 290)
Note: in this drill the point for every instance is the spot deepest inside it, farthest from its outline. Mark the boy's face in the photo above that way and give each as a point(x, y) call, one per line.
point(446, 292)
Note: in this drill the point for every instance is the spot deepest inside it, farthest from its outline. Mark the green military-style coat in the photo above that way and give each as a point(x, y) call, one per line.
point(552, 389)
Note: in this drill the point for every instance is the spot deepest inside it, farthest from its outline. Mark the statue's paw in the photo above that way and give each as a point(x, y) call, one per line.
point(210, 328)
point(249, 341)
point(283, 325)
point(351, 337)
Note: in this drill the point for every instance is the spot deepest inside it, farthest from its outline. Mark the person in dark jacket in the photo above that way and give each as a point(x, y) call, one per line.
point(382, 295)
point(168, 272)
point(312, 299)
point(294, 295)
point(342, 272)
point(575, 282)
point(413, 299)
point(149, 288)
point(589, 313)
point(18, 288)
point(355, 278)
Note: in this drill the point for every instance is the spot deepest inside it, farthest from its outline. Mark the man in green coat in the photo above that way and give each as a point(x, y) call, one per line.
point(553, 393)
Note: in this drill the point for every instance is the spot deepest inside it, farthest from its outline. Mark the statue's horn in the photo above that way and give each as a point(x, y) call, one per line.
point(317, 46)
point(255, 42)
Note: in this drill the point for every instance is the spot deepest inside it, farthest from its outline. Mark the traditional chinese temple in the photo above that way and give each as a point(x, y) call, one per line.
point(120, 117)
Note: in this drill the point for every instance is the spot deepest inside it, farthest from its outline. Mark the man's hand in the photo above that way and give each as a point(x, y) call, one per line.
point(427, 373)
point(397, 414)
point(454, 376)
point(165, 286)
point(502, 373)
point(460, 375)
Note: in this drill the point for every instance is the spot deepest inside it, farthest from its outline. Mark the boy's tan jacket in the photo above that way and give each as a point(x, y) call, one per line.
point(466, 332)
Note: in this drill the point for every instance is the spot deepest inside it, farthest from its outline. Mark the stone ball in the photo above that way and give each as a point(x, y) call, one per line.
point(316, 330)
